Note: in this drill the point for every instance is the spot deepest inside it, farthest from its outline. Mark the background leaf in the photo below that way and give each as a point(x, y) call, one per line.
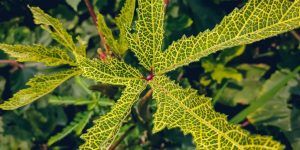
point(73, 3)
point(77, 125)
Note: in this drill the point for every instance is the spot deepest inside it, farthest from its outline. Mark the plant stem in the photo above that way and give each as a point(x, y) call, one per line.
point(113, 146)
point(296, 35)
point(166, 3)
point(13, 63)
point(91, 11)
point(94, 18)
point(142, 105)
point(8, 61)
point(146, 96)
point(264, 98)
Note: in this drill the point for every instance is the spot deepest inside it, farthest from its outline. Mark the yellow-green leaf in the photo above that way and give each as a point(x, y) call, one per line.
point(56, 29)
point(194, 114)
point(123, 22)
point(257, 20)
point(40, 85)
point(106, 128)
point(108, 35)
point(110, 71)
point(38, 53)
point(146, 43)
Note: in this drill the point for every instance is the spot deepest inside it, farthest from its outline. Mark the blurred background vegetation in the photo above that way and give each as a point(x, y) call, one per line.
point(256, 85)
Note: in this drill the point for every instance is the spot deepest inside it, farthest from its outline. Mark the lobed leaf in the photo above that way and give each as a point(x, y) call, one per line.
point(106, 31)
point(146, 43)
point(123, 22)
point(79, 121)
point(38, 53)
point(193, 114)
point(110, 71)
point(106, 128)
point(257, 20)
point(40, 85)
point(56, 29)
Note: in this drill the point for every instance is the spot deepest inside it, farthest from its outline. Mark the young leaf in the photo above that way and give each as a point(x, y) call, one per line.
point(110, 71)
point(56, 29)
point(38, 53)
point(193, 114)
point(146, 43)
point(257, 20)
point(79, 120)
point(106, 128)
point(123, 22)
point(40, 85)
point(106, 31)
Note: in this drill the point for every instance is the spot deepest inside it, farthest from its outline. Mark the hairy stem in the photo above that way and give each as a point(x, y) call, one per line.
point(94, 18)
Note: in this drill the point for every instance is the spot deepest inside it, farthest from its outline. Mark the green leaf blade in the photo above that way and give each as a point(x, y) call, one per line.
point(257, 20)
point(268, 91)
point(106, 128)
point(146, 43)
point(79, 120)
point(123, 22)
point(275, 112)
point(40, 85)
point(107, 33)
point(66, 100)
point(110, 71)
point(83, 121)
point(56, 29)
point(73, 3)
point(38, 53)
point(194, 115)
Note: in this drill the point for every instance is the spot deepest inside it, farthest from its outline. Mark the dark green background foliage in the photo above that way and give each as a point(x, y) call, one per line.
point(235, 78)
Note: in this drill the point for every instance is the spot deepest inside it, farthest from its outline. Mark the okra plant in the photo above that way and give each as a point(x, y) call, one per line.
point(177, 107)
